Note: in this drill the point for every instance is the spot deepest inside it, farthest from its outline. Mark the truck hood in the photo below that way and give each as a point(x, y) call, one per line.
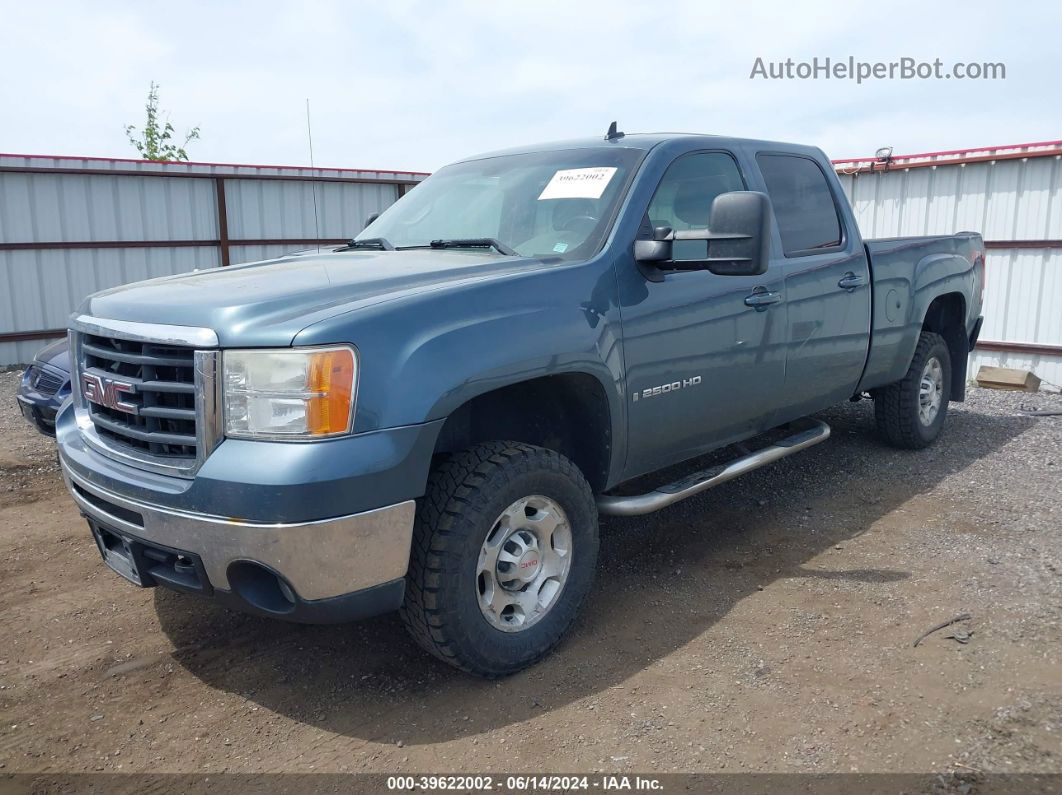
point(268, 303)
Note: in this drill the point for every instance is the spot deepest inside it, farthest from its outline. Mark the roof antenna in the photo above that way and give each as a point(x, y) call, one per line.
point(313, 185)
point(613, 134)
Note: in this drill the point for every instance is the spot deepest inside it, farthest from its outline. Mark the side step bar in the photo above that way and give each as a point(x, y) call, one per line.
point(664, 496)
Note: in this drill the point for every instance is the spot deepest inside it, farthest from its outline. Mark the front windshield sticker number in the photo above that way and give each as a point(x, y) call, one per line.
point(560, 248)
point(578, 183)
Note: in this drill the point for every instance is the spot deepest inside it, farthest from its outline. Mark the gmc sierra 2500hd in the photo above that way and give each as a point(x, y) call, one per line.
point(430, 418)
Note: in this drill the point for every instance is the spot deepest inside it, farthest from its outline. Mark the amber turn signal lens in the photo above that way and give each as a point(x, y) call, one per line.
point(331, 387)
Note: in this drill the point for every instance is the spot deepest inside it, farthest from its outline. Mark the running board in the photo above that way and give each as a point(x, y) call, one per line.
point(664, 496)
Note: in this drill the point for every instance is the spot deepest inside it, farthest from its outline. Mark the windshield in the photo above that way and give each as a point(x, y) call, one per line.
point(542, 204)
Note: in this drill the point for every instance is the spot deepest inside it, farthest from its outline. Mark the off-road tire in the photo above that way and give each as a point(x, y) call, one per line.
point(466, 493)
point(896, 406)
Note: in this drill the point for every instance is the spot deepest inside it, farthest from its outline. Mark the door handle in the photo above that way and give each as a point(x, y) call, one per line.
point(850, 281)
point(761, 299)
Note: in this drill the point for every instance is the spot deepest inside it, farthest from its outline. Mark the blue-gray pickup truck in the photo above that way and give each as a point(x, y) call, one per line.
point(430, 418)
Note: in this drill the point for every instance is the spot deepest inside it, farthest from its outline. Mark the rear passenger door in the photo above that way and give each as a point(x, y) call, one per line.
point(827, 284)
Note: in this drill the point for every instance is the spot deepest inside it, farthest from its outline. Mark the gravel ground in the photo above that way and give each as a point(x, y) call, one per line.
point(27, 458)
point(766, 625)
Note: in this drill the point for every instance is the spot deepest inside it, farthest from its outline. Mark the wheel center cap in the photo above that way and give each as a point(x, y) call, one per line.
point(527, 566)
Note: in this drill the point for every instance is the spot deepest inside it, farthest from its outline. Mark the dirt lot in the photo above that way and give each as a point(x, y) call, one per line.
point(766, 625)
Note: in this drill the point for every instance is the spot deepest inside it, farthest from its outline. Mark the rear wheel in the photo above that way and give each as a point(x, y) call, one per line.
point(504, 551)
point(911, 412)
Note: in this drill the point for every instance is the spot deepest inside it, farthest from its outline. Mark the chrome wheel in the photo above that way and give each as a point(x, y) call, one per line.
point(930, 391)
point(524, 563)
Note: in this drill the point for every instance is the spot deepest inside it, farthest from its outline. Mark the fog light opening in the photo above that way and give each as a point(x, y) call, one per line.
point(261, 587)
point(285, 591)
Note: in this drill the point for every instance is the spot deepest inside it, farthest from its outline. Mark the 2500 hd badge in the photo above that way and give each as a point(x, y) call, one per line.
point(664, 389)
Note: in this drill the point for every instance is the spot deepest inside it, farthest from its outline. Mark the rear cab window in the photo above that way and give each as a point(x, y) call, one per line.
point(803, 204)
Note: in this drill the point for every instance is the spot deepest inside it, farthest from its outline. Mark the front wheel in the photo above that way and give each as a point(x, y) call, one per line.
point(504, 551)
point(911, 412)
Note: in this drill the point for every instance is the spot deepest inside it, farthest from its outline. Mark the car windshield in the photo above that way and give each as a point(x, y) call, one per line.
point(541, 204)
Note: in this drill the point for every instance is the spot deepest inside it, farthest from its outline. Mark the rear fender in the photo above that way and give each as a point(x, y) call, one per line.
point(903, 295)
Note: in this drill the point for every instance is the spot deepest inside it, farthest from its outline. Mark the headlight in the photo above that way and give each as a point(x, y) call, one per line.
point(289, 393)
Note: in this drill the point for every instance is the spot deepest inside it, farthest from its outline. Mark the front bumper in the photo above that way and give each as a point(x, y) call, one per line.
point(40, 408)
point(41, 415)
point(320, 571)
point(261, 482)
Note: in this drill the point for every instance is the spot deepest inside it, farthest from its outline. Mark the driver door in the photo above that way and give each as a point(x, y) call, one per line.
point(703, 368)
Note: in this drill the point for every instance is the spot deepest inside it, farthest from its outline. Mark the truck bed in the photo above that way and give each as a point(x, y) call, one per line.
point(906, 271)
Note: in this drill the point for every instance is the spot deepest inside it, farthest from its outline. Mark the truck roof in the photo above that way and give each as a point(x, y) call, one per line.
point(646, 141)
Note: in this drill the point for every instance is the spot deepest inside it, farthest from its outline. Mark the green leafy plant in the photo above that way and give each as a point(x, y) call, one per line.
point(155, 141)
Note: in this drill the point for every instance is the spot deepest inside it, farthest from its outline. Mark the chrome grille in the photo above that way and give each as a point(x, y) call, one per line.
point(163, 377)
point(45, 382)
point(146, 394)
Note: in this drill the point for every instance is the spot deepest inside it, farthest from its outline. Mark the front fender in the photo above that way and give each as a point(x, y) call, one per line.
point(425, 355)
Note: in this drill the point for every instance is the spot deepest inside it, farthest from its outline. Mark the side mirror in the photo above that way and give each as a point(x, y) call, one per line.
point(656, 250)
point(738, 241)
point(370, 219)
point(740, 234)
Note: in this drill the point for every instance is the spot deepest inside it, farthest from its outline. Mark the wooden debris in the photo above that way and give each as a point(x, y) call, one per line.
point(1007, 378)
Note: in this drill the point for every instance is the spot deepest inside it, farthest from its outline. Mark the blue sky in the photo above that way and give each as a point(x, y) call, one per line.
point(410, 85)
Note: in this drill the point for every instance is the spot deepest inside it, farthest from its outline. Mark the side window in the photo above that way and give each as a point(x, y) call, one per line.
point(803, 205)
point(685, 194)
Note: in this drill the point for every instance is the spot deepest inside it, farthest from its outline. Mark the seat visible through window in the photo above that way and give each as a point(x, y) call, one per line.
point(684, 197)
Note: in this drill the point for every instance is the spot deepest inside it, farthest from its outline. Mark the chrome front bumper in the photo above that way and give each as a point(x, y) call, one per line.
point(321, 559)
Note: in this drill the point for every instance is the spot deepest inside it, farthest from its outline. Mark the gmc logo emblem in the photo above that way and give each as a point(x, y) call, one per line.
point(108, 392)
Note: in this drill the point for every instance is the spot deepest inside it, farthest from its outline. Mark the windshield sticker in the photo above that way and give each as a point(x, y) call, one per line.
point(560, 248)
point(578, 183)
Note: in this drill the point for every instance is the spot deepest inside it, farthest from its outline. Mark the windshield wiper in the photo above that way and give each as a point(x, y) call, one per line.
point(470, 242)
point(381, 243)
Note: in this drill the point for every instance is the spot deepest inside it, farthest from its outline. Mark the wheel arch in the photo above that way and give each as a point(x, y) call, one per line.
point(566, 412)
point(946, 316)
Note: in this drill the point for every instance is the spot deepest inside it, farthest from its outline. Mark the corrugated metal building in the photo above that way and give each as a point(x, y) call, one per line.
point(72, 226)
point(1012, 195)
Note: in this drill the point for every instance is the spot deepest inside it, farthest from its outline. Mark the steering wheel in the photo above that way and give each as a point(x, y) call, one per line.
point(580, 224)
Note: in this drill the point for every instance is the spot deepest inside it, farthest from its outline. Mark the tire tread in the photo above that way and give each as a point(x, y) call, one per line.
point(896, 405)
point(458, 486)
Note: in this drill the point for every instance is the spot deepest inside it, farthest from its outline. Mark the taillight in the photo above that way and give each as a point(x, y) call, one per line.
point(977, 258)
